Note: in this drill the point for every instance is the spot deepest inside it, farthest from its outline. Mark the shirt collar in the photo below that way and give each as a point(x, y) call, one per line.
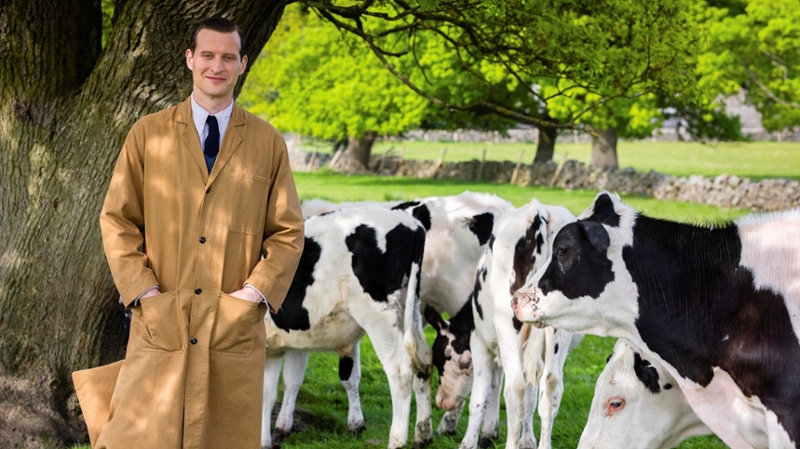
point(200, 115)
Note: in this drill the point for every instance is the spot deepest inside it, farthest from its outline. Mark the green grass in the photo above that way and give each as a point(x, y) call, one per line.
point(325, 400)
point(755, 160)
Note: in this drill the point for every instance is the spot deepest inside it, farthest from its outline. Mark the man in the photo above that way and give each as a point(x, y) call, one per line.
point(200, 192)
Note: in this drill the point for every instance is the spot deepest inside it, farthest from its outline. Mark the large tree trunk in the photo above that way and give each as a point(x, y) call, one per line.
point(604, 149)
point(546, 146)
point(65, 108)
point(359, 149)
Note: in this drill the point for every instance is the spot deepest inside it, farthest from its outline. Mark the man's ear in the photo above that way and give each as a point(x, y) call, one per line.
point(189, 57)
point(433, 317)
point(244, 64)
point(597, 235)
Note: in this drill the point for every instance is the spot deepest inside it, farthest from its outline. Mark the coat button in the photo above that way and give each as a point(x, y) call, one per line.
point(208, 190)
point(202, 239)
point(198, 291)
point(193, 341)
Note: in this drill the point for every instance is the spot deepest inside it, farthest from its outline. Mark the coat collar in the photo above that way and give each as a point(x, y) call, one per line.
point(191, 141)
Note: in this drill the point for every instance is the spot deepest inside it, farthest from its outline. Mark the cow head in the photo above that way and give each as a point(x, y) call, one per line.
point(638, 405)
point(585, 287)
point(452, 356)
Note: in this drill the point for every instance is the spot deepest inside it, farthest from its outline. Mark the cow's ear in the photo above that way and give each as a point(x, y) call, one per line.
point(433, 317)
point(597, 235)
point(603, 211)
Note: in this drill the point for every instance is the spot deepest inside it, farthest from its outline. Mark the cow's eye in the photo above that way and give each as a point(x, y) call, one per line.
point(562, 251)
point(615, 405)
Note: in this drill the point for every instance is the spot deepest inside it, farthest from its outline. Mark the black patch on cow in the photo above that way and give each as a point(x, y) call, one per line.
point(491, 243)
point(608, 359)
point(698, 308)
point(406, 205)
point(381, 273)
point(480, 277)
point(646, 373)
point(292, 315)
point(327, 213)
point(517, 323)
point(481, 225)
point(576, 268)
point(460, 326)
point(525, 252)
point(420, 212)
point(555, 350)
point(597, 235)
point(603, 211)
point(345, 368)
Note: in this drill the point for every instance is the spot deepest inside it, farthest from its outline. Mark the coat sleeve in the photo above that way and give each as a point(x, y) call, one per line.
point(283, 229)
point(122, 222)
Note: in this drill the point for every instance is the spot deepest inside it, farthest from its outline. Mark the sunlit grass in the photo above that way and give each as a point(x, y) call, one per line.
point(753, 160)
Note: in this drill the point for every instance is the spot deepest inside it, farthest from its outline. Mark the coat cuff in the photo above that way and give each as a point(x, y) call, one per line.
point(135, 289)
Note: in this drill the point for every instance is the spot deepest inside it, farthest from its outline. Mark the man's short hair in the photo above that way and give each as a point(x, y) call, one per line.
point(220, 25)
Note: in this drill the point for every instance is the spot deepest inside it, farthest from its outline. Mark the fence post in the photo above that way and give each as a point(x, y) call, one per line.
point(400, 162)
point(516, 169)
point(438, 163)
point(558, 170)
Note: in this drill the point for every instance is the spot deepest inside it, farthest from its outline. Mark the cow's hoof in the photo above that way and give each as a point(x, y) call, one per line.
point(445, 432)
point(358, 430)
point(423, 444)
point(278, 435)
point(486, 442)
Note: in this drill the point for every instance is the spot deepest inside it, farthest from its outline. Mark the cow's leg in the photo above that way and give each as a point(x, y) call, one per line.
point(481, 390)
point(272, 372)
point(387, 341)
point(448, 425)
point(528, 439)
point(350, 375)
point(423, 430)
point(557, 345)
point(515, 385)
point(294, 368)
point(491, 421)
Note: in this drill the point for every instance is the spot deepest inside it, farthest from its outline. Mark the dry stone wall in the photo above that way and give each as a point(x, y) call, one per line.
point(723, 190)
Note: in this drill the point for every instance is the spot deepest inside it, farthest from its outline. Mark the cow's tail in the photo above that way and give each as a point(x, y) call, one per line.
point(413, 335)
point(533, 348)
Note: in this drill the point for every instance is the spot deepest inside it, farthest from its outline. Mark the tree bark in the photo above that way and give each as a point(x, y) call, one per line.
point(65, 109)
point(546, 146)
point(358, 151)
point(604, 149)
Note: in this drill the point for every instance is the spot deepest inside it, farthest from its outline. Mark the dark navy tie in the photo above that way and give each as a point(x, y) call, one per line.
point(211, 146)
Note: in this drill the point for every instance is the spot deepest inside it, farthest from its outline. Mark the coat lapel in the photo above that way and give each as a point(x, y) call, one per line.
point(191, 141)
point(231, 141)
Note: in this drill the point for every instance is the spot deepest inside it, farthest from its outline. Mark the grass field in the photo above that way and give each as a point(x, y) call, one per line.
point(324, 421)
point(755, 160)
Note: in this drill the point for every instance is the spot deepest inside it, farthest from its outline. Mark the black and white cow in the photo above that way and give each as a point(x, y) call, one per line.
point(458, 230)
point(718, 305)
point(484, 341)
point(637, 405)
point(359, 272)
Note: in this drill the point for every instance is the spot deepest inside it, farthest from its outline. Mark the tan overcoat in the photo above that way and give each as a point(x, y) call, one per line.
point(193, 372)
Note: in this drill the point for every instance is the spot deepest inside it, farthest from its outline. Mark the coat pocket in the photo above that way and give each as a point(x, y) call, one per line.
point(158, 324)
point(248, 197)
point(235, 328)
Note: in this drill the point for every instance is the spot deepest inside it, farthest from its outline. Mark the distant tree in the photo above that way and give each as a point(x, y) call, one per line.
point(611, 49)
point(755, 44)
point(314, 80)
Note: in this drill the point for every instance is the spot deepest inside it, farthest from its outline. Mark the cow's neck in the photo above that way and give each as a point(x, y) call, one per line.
point(684, 275)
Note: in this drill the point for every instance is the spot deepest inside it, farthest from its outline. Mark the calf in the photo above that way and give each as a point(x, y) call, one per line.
point(485, 330)
point(637, 405)
point(359, 272)
point(719, 307)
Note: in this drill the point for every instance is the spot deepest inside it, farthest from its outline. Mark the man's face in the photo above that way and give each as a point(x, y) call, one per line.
point(215, 63)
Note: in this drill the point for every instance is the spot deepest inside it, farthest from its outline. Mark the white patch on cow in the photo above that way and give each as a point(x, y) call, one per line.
point(771, 250)
point(646, 420)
